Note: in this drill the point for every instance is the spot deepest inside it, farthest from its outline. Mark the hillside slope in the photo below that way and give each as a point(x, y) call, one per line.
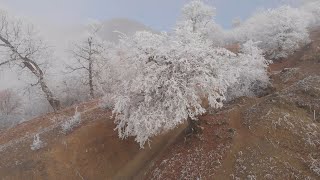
point(273, 137)
point(90, 149)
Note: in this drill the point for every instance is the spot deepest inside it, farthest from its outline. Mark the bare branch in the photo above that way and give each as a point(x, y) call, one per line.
point(5, 62)
point(75, 69)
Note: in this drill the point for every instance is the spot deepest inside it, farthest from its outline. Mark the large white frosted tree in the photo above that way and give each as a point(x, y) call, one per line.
point(170, 80)
point(165, 80)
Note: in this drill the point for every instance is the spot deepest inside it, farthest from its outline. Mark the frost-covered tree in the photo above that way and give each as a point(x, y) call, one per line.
point(198, 17)
point(165, 80)
point(88, 54)
point(280, 31)
point(312, 12)
point(168, 81)
point(24, 51)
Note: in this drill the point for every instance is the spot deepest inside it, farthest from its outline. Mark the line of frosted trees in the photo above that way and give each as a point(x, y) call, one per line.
point(155, 81)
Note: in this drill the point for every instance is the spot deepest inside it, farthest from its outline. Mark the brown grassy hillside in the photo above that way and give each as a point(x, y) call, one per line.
point(91, 150)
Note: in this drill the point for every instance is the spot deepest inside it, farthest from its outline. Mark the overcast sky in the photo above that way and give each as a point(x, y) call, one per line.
point(157, 14)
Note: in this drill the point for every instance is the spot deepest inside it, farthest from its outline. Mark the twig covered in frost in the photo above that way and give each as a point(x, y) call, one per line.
point(37, 143)
point(72, 122)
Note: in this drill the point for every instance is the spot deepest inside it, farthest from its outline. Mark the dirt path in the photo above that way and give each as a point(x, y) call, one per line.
point(242, 138)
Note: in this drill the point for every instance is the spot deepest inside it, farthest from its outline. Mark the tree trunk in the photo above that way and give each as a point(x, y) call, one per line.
point(90, 69)
point(91, 80)
point(35, 69)
point(193, 127)
point(54, 102)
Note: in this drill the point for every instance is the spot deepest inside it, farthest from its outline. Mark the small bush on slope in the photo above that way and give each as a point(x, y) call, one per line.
point(252, 69)
point(72, 122)
point(37, 143)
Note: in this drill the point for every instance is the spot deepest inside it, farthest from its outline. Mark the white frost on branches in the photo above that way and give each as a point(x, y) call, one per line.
point(170, 80)
point(312, 9)
point(251, 67)
point(280, 31)
point(198, 17)
point(165, 79)
point(72, 122)
point(170, 77)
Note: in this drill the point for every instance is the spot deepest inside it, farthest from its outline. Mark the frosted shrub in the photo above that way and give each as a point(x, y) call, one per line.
point(252, 72)
point(37, 143)
point(280, 31)
point(72, 122)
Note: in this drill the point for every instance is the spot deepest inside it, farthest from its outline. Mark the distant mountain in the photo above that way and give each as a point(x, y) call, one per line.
point(126, 26)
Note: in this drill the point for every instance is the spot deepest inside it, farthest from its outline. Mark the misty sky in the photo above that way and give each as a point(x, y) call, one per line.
point(157, 14)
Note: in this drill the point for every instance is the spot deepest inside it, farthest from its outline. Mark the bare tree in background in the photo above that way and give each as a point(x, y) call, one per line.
point(10, 103)
point(73, 91)
point(88, 53)
point(21, 48)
